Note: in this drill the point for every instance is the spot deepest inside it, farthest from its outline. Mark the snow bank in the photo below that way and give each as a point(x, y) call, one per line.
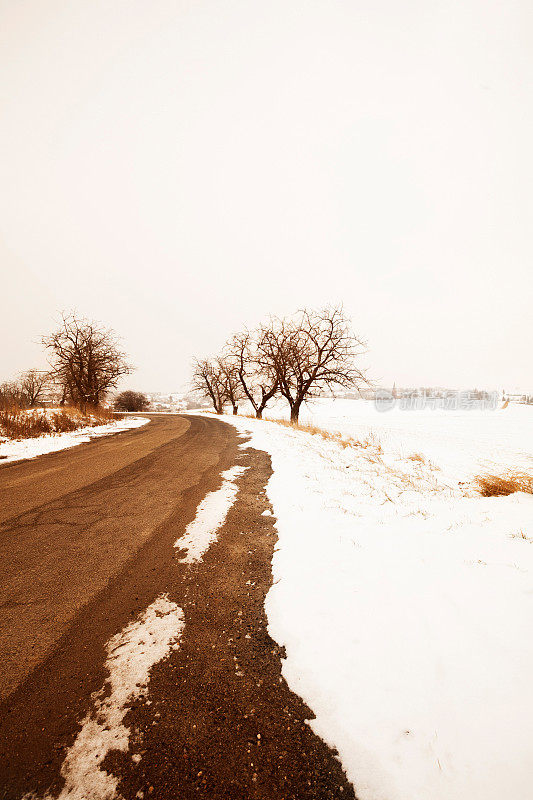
point(406, 606)
point(18, 449)
point(131, 655)
point(210, 516)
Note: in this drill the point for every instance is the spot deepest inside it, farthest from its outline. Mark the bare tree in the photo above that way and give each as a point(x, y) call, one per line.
point(208, 380)
point(131, 401)
point(86, 360)
point(12, 395)
point(33, 383)
point(232, 391)
point(310, 353)
point(259, 383)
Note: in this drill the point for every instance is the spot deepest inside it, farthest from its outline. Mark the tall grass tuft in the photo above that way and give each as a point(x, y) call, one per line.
point(502, 485)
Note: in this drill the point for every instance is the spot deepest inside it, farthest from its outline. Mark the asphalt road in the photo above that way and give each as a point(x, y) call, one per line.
point(86, 544)
point(70, 521)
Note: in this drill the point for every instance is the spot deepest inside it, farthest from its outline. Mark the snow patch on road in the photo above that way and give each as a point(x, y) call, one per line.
point(18, 449)
point(210, 516)
point(404, 601)
point(131, 655)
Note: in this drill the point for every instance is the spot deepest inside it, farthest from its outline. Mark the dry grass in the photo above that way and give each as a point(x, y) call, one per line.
point(522, 535)
point(417, 457)
point(15, 423)
point(371, 441)
point(371, 450)
point(502, 485)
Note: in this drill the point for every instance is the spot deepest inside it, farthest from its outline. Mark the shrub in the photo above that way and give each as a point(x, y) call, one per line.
point(16, 423)
point(12, 395)
point(131, 401)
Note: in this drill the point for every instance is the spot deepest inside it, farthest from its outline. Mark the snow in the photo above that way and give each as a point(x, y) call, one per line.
point(18, 449)
point(131, 655)
point(404, 599)
point(210, 516)
point(462, 443)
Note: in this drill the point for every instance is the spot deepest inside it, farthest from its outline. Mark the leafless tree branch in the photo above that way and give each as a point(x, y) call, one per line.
point(86, 360)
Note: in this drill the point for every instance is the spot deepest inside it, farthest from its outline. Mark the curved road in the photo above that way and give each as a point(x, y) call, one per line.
point(69, 521)
point(86, 544)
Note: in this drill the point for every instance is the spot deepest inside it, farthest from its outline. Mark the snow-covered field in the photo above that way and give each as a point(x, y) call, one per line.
point(18, 449)
point(404, 599)
point(461, 443)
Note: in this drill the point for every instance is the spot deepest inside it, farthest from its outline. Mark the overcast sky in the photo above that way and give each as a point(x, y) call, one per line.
point(180, 169)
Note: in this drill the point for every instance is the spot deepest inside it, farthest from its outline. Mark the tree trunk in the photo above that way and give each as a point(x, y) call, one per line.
point(235, 410)
point(295, 411)
point(259, 413)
